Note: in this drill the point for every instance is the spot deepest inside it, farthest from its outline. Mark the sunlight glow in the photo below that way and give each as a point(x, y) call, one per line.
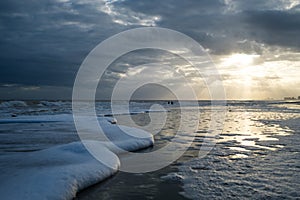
point(239, 59)
point(244, 72)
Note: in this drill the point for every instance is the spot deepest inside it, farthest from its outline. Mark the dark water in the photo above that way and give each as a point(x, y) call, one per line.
point(135, 186)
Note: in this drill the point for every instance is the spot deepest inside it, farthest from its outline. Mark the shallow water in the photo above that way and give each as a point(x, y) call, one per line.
point(257, 155)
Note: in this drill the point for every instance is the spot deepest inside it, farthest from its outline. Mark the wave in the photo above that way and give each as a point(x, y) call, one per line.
point(61, 171)
point(54, 173)
point(15, 104)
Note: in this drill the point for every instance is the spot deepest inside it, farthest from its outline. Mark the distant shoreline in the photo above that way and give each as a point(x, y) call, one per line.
point(149, 100)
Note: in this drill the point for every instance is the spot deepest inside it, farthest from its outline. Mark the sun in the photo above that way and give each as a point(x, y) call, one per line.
point(245, 73)
point(241, 60)
point(243, 65)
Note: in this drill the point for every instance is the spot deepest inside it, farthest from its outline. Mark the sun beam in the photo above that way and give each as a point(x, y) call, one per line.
point(244, 71)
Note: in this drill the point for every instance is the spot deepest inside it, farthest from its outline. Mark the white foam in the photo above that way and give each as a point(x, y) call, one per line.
point(61, 171)
point(38, 118)
point(8, 104)
point(51, 103)
point(46, 118)
point(55, 173)
point(173, 177)
point(138, 139)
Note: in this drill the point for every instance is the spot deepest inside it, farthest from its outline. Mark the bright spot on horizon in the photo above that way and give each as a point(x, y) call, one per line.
point(239, 59)
point(243, 69)
point(244, 66)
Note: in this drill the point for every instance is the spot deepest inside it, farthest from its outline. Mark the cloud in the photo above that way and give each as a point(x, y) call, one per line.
point(242, 5)
point(126, 16)
point(221, 25)
point(43, 43)
point(274, 27)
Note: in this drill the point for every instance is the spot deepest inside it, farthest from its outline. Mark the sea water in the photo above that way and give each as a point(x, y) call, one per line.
point(256, 155)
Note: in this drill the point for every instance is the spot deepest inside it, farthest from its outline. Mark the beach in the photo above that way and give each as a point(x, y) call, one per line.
point(255, 156)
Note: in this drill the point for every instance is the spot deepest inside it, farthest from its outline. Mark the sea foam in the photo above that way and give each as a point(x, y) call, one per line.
point(61, 171)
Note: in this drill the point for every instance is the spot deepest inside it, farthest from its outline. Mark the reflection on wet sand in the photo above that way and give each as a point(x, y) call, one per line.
point(247, 131)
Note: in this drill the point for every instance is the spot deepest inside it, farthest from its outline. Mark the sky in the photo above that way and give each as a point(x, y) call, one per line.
point(255, 44)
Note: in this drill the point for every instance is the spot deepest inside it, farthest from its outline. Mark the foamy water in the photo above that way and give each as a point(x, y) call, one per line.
point(255, 156)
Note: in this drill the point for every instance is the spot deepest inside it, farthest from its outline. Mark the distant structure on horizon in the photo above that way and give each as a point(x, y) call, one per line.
point(291, 98)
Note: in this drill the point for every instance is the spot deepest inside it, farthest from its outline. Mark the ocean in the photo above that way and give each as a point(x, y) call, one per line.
point(256, 153)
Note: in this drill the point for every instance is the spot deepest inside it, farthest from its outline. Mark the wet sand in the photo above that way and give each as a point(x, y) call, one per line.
point(135, 187)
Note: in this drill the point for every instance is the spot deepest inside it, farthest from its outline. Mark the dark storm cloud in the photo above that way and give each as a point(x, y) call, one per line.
point(44, 42)
point(221, 25)
point(275, 27)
